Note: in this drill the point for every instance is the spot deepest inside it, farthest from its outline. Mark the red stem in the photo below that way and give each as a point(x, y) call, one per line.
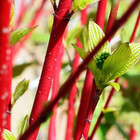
point(100, 18)
point(83, 104)
point(22, 10)
point(63, 90)
point(132, 133)
point(37, 14)
point(5, 66)
point(112, 17)
point(94, 98)
point(52, 126)
point(59, 26)
point(71, 109)
point(135, 28)
point(102, 114)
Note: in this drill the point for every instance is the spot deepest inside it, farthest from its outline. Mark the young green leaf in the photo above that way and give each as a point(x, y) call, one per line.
point(7, 135)
point(81, 4)
point(72, 35)
point(18, 34)
point(109, 109)
point(20, 90)
point(95, 36)
point(117, 60)
point(92, 65)
point(116, 86)
point(24, 125)
point(131, 61)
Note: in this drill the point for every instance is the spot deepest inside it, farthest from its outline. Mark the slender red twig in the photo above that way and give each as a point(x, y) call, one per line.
point(135, 28)
point(22, 10)
point(83, 104)
point(112, 17)
point(100, 18)
point(62, 92)
point(61, 19)
point(132, 133)
point(52, 126)
point(71, 109)
point(94, 98)
point(5, 66)
point(37, 14)
point(102, 114)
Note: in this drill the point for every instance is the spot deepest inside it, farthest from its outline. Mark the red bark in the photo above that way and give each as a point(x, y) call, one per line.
point(135, 29)
point(52, 126)
point(59, 26)
point(132, 133)
point(63, 90)
point(5, 66)
point(71, 109)
point(100, 18)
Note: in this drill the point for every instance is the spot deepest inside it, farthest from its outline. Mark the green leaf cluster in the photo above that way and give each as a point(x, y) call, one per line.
point(112, 66)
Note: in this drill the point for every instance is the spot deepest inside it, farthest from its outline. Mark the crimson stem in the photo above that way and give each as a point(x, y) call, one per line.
point(71, 109)
point(65, 87)
point(55, 87)
point(61, 18)
point(5, 66)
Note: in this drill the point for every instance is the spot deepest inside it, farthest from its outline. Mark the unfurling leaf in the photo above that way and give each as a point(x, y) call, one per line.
point(20, 90)
point(95, 36)
point(81, 4)
point(7, 135)
point(116, 86)
point(109, 109)
point(18, 34)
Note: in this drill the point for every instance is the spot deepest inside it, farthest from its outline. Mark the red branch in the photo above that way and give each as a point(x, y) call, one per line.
point(5, 66)
point(94, 98)
point(112, 17)
point(71, 109)
point(135, 28)
point(132, 133)
point(22, 10)
point(59, 26)
point(63, 90)
point(37, 14)
point(52, 126)
point(100, 18)
point(102, 114)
